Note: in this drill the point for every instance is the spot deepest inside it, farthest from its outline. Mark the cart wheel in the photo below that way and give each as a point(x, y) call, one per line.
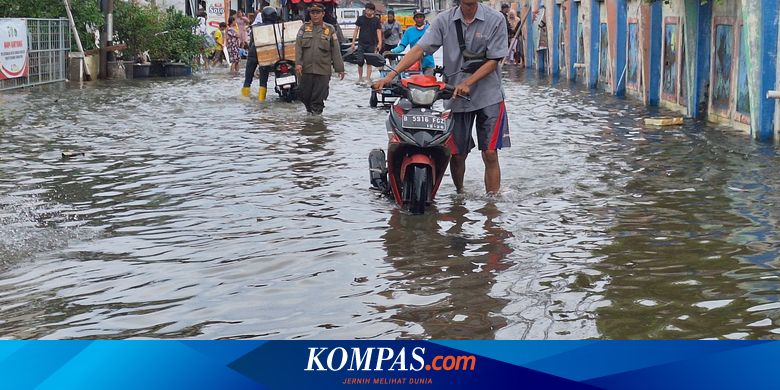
point(373, 100)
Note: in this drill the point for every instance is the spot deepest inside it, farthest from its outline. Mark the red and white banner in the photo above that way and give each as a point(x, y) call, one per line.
point(217, 11)
point(13, 48)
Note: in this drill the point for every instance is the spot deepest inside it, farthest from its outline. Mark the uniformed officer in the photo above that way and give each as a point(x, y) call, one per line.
point(316, 49)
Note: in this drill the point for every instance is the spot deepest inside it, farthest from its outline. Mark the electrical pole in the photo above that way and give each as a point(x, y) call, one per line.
point(106, 37)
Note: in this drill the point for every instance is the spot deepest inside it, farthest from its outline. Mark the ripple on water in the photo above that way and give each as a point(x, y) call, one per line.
point(195, 213)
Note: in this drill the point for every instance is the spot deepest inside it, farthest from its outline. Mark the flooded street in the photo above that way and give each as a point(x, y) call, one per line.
point(194, 213)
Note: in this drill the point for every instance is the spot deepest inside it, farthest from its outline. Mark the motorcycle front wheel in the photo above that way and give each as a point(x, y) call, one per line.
point(418, 185)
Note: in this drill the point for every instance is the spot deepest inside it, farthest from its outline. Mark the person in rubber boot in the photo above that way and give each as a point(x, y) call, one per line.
point(317, 49)
point(269, 16)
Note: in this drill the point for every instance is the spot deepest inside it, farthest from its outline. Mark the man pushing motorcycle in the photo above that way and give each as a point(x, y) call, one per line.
point(467, 32)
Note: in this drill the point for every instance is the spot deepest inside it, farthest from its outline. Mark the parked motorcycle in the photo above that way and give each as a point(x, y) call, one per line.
point(418, 150)
point(285, 79)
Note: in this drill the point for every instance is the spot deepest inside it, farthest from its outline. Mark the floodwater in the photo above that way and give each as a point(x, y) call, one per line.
point(193, 213)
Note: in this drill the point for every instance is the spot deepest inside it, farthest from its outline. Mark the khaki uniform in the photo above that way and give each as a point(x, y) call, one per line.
point(317, 49)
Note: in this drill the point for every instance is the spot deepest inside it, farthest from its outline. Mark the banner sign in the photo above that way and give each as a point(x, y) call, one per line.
point(13, 48)
point(217, 11)
point(150, 364)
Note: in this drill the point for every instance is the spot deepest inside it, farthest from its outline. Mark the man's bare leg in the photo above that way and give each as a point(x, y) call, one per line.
point(458, 170)
point(492, 171)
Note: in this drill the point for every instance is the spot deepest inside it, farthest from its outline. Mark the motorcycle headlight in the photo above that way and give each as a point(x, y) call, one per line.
point(422, 96)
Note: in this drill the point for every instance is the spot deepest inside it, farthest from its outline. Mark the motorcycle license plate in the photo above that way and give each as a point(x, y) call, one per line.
point(423, 122)
point(285, 80)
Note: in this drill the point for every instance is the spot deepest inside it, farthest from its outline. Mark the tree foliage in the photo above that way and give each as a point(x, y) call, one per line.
point(176, 42)
point(165, 34)
point(86, 15)
point(135, 25)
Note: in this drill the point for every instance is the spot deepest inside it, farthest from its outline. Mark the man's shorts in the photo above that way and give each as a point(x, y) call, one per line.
point(492, 129)
point(362, 49)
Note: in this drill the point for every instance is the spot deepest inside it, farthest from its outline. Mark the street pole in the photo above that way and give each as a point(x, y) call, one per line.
point(106, 37)
point(78, 41)
point(103, 40)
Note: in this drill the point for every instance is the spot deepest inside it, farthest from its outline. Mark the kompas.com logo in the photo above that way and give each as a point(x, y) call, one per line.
point(384, 359)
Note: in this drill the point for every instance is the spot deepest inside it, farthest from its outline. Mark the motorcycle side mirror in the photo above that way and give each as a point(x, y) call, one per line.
point(374, 59)
point(471, 66)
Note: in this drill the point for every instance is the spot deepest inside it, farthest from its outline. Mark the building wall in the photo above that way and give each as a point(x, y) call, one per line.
point(585, 33)
point(674, 87)
point(777, 88)
point(718, 58)
point(725, 63)
point(636, 79)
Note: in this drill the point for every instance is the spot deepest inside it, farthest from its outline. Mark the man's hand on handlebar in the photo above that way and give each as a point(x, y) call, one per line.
point(462, 90)
point(379, 84)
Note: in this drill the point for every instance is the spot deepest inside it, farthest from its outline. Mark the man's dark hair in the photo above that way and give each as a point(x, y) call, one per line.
point(370, 6)
point(222, 25)
point(391, 12)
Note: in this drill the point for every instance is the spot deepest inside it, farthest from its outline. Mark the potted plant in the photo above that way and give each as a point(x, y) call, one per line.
point(136, 26)
point(176, 45)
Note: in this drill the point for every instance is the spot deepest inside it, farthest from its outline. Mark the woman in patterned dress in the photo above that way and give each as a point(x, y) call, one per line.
point(233, 43)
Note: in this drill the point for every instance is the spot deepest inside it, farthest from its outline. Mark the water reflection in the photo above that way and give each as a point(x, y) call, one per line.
point(445, 265)
point(312, 144)
point(680, 262)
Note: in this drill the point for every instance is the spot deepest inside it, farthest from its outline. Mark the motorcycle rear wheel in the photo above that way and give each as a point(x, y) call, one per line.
point(377, 170)
point(374, 100)
point(288, 96)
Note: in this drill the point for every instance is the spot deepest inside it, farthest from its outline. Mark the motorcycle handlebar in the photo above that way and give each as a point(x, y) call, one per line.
point(451, 89)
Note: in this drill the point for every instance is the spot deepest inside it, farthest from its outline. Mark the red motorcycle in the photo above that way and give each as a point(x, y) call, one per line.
point(418, 151)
